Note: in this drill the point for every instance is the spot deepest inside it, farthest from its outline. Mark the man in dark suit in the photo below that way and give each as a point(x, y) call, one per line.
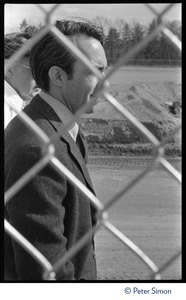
point(49, 211)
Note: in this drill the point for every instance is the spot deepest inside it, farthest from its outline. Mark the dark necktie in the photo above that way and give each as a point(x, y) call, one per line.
point(81, 143)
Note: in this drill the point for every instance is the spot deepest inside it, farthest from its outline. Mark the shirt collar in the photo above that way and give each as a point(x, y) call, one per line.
point(63, 113)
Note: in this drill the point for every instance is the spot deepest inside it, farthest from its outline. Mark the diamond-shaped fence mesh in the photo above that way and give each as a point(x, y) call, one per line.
point(49, 271)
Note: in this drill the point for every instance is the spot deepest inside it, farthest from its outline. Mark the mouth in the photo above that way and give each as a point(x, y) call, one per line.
point(93, 99)
point(93, 95)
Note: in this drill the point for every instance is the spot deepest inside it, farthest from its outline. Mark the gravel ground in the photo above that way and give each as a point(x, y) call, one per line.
point(149, 214)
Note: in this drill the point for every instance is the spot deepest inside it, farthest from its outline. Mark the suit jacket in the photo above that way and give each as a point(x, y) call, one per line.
point(49, 210)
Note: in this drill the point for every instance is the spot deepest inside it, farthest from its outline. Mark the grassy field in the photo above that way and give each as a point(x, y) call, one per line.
point(128, 75)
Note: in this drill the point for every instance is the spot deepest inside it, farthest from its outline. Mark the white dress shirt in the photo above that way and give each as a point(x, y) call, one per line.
point(12, 97)
point(64, 114)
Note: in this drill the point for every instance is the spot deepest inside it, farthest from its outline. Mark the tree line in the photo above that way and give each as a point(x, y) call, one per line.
point(121, 36)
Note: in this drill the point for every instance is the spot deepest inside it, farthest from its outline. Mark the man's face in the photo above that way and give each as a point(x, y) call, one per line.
point(22, 79)
point(79, 90)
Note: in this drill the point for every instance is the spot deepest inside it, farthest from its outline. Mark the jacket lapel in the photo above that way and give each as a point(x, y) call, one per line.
point(46, 110)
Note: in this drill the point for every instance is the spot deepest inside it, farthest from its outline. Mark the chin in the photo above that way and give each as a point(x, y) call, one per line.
point(90, 110)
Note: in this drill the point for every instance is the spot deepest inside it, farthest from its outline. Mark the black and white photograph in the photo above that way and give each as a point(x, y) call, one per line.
point(92, 144)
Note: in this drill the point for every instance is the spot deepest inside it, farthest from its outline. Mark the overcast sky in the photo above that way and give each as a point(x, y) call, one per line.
point(15, 13)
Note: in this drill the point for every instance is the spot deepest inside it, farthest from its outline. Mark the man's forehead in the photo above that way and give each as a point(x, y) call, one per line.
point(93, 49)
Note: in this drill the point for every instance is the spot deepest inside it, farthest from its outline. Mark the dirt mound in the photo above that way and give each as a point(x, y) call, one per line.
point(150, 103)
point(146, 101)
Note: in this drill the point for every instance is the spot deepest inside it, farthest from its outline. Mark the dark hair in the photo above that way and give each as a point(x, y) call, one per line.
point(50, 52)
point(14, 41)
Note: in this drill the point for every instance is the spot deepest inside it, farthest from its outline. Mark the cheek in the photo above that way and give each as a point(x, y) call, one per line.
point(26, 77)
point(29, 81)
point(32, 83)
point(82, 87)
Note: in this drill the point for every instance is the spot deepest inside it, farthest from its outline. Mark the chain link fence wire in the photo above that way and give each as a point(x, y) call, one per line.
point(48, 149)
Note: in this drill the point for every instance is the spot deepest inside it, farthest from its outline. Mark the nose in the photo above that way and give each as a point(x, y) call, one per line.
point(104, 87)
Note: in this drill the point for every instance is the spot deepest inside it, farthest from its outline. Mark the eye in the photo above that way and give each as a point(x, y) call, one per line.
point(102, 69)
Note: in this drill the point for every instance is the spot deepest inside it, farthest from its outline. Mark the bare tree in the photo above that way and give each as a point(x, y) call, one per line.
point(104, 23)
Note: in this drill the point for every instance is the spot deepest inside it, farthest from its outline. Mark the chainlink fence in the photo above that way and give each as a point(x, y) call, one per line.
point(49, 271)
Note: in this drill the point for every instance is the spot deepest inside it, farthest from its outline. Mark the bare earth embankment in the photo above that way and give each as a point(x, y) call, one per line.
point(153, 96)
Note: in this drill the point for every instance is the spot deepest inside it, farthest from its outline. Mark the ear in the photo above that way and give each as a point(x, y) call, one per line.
point(9, 72)
point(57, 75)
